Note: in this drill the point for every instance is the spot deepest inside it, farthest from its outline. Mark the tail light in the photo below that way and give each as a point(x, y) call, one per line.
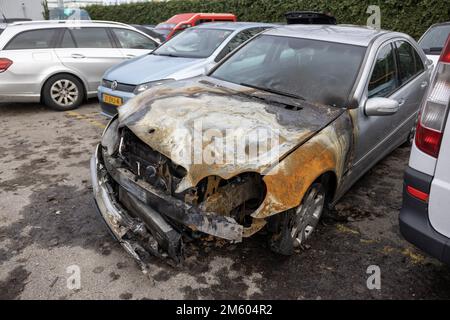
point(5, 64)
point(432, 117)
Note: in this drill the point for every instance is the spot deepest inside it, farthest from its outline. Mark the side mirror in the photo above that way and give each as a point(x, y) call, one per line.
point(381, 107)
point(429, 63)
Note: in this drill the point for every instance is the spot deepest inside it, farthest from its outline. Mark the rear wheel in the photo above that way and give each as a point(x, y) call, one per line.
point(63, 92)
point(296, 226)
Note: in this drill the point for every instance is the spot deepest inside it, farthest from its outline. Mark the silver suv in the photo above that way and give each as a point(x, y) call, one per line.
point(61, 63)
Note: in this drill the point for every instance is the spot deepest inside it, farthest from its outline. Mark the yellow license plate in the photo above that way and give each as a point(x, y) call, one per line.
point(116, 101)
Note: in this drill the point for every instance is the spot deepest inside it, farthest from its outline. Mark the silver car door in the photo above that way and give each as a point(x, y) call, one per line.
point(383, 82)
point(379, 135)
point(414, 81)
point(89, 51)
point(132, 43)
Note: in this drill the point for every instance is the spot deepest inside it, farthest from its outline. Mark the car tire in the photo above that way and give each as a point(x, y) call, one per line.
point(63, 92)
point(295, 226)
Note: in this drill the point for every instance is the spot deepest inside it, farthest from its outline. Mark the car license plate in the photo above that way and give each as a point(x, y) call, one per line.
point(116, 101)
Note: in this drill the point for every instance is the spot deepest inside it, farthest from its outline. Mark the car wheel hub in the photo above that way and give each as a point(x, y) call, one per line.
point(64, 92)
point(306, 216)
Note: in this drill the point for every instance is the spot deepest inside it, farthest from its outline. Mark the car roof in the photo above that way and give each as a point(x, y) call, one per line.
point(349, 34)
point(30, 25)
point(233, 25)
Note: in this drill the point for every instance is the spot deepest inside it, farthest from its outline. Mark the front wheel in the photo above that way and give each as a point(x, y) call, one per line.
point(296, 226)
point(63, 92)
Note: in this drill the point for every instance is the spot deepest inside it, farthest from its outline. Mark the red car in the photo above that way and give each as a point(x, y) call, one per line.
point(182, 21)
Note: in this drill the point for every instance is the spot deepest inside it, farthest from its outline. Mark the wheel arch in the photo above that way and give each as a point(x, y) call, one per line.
point(57, 73)
point(329, 180)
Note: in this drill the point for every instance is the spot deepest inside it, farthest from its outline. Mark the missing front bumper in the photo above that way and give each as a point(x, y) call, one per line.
point(146, 225)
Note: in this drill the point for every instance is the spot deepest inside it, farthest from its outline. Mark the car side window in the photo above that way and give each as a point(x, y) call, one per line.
point(133, 40)
point(34, 39)
point(237, 40)
point(409, 62)
point(384, 75)
point(91, 38)
point(67, 40)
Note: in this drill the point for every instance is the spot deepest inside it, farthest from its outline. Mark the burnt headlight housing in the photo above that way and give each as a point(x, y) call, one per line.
point(110, 137)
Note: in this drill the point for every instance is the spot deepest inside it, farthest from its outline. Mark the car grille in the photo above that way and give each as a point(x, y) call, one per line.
point(120, 86)
point(148, 164)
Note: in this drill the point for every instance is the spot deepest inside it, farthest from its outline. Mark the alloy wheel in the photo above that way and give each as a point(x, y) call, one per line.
point(64, 92)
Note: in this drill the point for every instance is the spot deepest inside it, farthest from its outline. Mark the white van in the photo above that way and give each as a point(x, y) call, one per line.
point(425, 214)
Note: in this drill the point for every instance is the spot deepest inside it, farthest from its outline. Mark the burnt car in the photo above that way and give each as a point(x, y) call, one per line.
point(269, 139)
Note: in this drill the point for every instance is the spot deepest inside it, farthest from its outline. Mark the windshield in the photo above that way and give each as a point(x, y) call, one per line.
point(314, 70)
point(193, 43)
point(433, 41)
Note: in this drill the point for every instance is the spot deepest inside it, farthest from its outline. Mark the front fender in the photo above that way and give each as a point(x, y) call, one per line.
point(327, 151)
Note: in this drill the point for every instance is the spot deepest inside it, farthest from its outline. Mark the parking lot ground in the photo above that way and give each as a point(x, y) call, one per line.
point(48, 224)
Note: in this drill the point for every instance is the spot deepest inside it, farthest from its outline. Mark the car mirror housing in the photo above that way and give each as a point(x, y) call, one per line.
point(381, 107)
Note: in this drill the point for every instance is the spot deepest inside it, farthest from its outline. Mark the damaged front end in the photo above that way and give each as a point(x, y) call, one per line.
point(134, 190)
point(154, 198)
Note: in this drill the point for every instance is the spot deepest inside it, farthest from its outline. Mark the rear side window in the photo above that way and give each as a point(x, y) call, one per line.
point(409, 62)
point(91, 38)
point(133, 40)
point(384, 76)
point(33, 39)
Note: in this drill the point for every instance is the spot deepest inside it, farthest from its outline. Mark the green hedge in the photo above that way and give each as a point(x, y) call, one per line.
point(409, 16)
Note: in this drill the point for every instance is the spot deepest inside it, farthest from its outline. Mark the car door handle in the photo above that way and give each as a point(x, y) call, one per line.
point(130, 56)
point(78, 56)
point(424, 84)
point(401, 102)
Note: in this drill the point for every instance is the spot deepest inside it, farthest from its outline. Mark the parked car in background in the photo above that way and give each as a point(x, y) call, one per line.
point(433, 40)
point(150, 32)
point(425, 214)
point(68, 14)
point(309, 17)
point(189, 54)
point(61, 63)
point(312, 108)
point(180, 22)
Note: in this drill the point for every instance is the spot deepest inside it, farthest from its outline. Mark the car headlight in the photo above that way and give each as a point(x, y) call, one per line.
point(142, 87)
point(110, 137)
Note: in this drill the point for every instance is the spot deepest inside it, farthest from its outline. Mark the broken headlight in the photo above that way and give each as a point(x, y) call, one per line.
point(142, 87)
point(110, 137)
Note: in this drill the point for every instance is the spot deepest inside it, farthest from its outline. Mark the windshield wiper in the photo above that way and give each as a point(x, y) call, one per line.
point(166, 55)
point(270, 90)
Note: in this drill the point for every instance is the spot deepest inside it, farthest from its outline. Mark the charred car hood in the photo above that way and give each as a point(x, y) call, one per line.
point(173, 118)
